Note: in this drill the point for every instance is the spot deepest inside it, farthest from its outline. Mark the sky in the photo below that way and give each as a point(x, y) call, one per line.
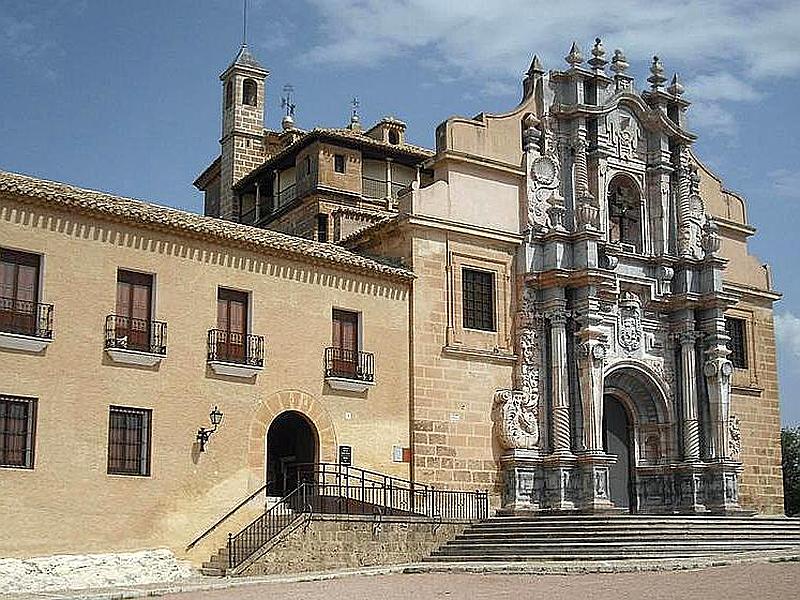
point(125, 97)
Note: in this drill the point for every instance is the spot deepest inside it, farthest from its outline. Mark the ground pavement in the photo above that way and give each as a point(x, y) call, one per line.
point(761, 581)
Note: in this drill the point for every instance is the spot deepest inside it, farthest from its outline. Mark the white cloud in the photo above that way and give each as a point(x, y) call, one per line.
point(729, 46)
point(787, 334)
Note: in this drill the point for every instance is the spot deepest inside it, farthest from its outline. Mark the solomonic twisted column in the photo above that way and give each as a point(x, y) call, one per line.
point(560, 381)
point(691, 432)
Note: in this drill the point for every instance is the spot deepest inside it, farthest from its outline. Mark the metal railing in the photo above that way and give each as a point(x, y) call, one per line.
point(348, 490)
point(26, 318)
point(269, 525)
point(126, 333)
point(229, 514)
point(286, 195)
point(374, 188)
point(349, 364)
point(335, 489)
point(235, 347)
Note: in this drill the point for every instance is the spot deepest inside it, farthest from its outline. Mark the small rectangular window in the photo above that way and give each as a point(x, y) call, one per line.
point(736, 330)
point(17, 431)
point(338, 163)
point(322, 227)
point(129, 441)
point(308, 165)
point(478, 299)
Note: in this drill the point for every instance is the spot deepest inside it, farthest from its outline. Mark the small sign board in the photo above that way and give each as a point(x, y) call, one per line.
point(346, 455)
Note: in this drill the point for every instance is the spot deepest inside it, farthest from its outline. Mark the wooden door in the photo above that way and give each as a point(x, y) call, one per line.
point(19, 291)
point(345, 343)
point(134, 309)
point(232, 324)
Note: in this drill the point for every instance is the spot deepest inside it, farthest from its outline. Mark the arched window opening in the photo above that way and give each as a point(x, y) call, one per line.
point(229, 94)
point(624, 213)
point(394, 137)
point(249, 93)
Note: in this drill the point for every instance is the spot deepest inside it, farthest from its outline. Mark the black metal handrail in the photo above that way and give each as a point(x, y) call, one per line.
point(349, 364)
point(228, 515)
point(344, 489)
point(235, 347)
point(335, 489)
point(127, 333)
point(269, 525)
point(23, 317)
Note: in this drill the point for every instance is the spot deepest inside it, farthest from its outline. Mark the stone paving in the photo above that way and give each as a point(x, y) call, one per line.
point(765, 581)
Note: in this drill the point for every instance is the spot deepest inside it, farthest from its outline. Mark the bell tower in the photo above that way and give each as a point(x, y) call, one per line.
point(242, 141)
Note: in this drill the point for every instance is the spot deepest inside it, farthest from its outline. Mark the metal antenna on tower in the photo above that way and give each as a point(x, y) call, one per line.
point(244, 25)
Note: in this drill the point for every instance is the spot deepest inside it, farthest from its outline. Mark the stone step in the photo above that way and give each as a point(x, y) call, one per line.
point(565, 539)
point(675, 521)
point(577, 545)
point(624, 530)
point(574, 558)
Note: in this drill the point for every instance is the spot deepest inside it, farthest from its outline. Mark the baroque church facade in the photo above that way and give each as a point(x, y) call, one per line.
point(555, 305)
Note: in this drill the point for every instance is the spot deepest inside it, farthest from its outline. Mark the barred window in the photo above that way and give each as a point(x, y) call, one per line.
point(17, 431)
point(735, 328)
point(129, 441)
point(478, 299)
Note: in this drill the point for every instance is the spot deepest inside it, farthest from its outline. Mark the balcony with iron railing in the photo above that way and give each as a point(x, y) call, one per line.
point(135, 341)
point(350, 370)
point(25, 325)
point(234, 353)
point(379, 188)
point(285, 196)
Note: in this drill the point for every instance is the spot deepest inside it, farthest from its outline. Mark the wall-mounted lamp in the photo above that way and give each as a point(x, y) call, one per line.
point(204, 434)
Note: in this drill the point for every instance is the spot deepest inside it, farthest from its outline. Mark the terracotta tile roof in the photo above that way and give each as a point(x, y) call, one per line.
point(153, 216)
point(343, 135)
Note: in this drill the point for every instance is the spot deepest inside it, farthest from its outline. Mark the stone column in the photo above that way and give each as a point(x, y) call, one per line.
point(559, 379)
point(591, 356)
point(691, 432)
point(586, 208)
point(683, 207)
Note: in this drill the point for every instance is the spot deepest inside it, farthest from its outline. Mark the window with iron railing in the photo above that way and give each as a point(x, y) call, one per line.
point(21, 312)
point(736, 330)
point(477, 297)
point(230, 342)
point(126, 333)
point(129, 441)
point(17, 431)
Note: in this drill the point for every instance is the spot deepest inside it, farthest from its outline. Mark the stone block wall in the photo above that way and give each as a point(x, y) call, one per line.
point(323, 543)
point(755, 401)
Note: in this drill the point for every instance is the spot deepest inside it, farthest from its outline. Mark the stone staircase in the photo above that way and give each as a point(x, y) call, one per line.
point(617, 537)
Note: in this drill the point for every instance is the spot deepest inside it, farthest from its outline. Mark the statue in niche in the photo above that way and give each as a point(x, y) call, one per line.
point(624, 213)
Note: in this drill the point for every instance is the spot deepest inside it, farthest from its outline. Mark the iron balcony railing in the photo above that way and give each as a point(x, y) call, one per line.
point(126, 333)
point(349, 364)
point(235, 347)
point(373, 188)
point(335, 489)
point(286, 195)
point(26, 318)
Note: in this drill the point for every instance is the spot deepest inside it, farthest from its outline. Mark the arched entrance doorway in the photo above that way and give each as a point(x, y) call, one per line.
point(618, 440)
point(291, 440)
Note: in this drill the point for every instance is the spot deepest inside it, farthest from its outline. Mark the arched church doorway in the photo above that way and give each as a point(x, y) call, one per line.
point(291, 441)
point(618, 440)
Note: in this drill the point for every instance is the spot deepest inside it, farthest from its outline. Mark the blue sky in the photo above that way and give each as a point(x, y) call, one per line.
point(124, 96)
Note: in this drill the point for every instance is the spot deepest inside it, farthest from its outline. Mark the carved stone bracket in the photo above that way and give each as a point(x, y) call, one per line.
point(517, 420)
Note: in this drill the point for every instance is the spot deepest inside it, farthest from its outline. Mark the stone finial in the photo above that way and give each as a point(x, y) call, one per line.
point(619, 64)
point(598, 60)
point(574, 58)
point(536, 67)
point(675, 87)
point(656, 79)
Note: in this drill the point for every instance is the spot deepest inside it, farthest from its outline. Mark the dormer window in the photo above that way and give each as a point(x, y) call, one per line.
point(249, 93)
point(624, 213)
point(394, 137)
